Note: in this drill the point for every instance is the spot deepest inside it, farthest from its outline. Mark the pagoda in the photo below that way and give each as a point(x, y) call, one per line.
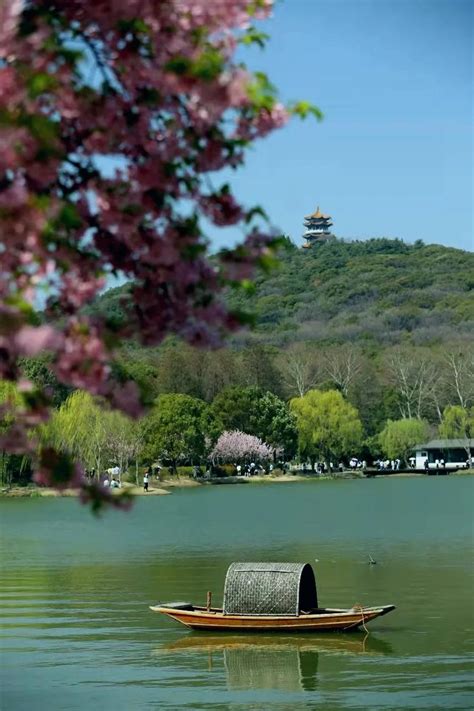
point(317, 228)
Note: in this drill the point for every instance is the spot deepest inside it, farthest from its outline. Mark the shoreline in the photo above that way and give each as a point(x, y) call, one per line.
point(165, 487)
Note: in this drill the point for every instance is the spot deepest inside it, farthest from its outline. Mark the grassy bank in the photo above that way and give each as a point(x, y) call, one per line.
point(32, 491)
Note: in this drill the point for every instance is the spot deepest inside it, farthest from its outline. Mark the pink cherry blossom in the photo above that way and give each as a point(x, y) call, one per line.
point(221, 209)
point(30, 340)
point(156, 89)
point(237, 446)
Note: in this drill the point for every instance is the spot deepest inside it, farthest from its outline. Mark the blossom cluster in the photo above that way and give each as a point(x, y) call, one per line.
point(153, 88)
point(238, 446)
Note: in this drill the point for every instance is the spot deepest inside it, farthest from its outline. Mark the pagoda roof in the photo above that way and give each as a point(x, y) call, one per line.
point(318, 214)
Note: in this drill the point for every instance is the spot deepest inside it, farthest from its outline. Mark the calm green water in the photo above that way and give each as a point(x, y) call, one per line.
point(77, 632)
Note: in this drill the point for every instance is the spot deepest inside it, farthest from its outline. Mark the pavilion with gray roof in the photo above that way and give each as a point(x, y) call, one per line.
point(456, 453)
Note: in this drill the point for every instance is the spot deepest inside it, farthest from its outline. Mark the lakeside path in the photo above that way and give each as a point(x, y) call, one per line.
point(43, 491)
point(161, 488)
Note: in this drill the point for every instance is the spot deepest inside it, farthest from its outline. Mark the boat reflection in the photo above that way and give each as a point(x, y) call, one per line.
point(273, 661)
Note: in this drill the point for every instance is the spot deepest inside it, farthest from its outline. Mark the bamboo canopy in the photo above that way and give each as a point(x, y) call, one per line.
point(269, 589)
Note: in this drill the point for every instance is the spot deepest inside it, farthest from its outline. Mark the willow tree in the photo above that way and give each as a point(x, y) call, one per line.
point(92, 434)
point(458, 423)
point(399, 437)
point(10, 404)
point(328, 426)
point(78, 427)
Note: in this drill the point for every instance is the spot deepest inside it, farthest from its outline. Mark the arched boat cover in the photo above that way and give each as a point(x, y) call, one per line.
point(269, 589)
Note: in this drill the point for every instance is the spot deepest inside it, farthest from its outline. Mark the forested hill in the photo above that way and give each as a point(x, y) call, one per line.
point(380, 290)
point(387, 324)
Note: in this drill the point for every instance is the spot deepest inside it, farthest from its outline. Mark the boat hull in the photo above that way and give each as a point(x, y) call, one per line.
point(327, 620)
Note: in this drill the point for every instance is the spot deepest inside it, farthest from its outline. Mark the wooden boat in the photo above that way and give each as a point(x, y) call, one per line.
point(324, 619)
point(276, 597)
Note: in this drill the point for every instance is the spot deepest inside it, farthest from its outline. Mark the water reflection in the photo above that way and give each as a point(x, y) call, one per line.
point(284, 669)
point(271, 661)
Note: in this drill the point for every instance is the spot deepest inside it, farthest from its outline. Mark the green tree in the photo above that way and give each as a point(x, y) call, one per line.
point(178, 369)
point(328, 426)
point(399, 437)
point(220, 369)
point(259, 369)
point(272, 421)
point(11, 465)
point(39, 372)
point(124, 441)
point(79, 428)
point(175, 429)
point(458, 423)
point(132, 365)
point(92, 434)
point(232, 407)
point(256, 412)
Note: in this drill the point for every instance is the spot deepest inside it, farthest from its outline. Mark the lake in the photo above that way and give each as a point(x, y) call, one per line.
point(77, 632)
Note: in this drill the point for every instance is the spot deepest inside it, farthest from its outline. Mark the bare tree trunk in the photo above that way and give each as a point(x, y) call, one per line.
point(299, 369)
point(461, 375)
point(415, 378)
point(342, 365)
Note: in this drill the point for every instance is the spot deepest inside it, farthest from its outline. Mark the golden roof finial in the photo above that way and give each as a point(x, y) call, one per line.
point(318, 213)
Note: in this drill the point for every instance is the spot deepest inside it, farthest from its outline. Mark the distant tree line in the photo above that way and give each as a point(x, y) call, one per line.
point(307, 402)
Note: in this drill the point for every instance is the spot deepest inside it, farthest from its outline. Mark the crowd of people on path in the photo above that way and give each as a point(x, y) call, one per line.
point(112, 478)
point(113, 483)
point(251, 469)
point(355, 463)
point(388, 464)
point(437, 465)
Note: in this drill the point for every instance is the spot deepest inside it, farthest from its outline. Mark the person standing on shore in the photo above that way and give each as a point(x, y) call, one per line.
point(145, 481)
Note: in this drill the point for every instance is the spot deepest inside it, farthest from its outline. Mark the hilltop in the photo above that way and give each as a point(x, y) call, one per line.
point(379, 290)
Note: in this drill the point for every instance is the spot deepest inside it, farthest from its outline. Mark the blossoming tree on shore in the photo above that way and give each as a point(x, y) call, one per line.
point(152, 89)
point(238, 447)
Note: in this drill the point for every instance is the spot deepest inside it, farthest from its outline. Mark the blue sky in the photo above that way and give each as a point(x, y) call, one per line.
point(393, 156)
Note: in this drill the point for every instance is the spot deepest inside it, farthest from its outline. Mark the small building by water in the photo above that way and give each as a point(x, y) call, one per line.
point(454, 452)
point(317, 228)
